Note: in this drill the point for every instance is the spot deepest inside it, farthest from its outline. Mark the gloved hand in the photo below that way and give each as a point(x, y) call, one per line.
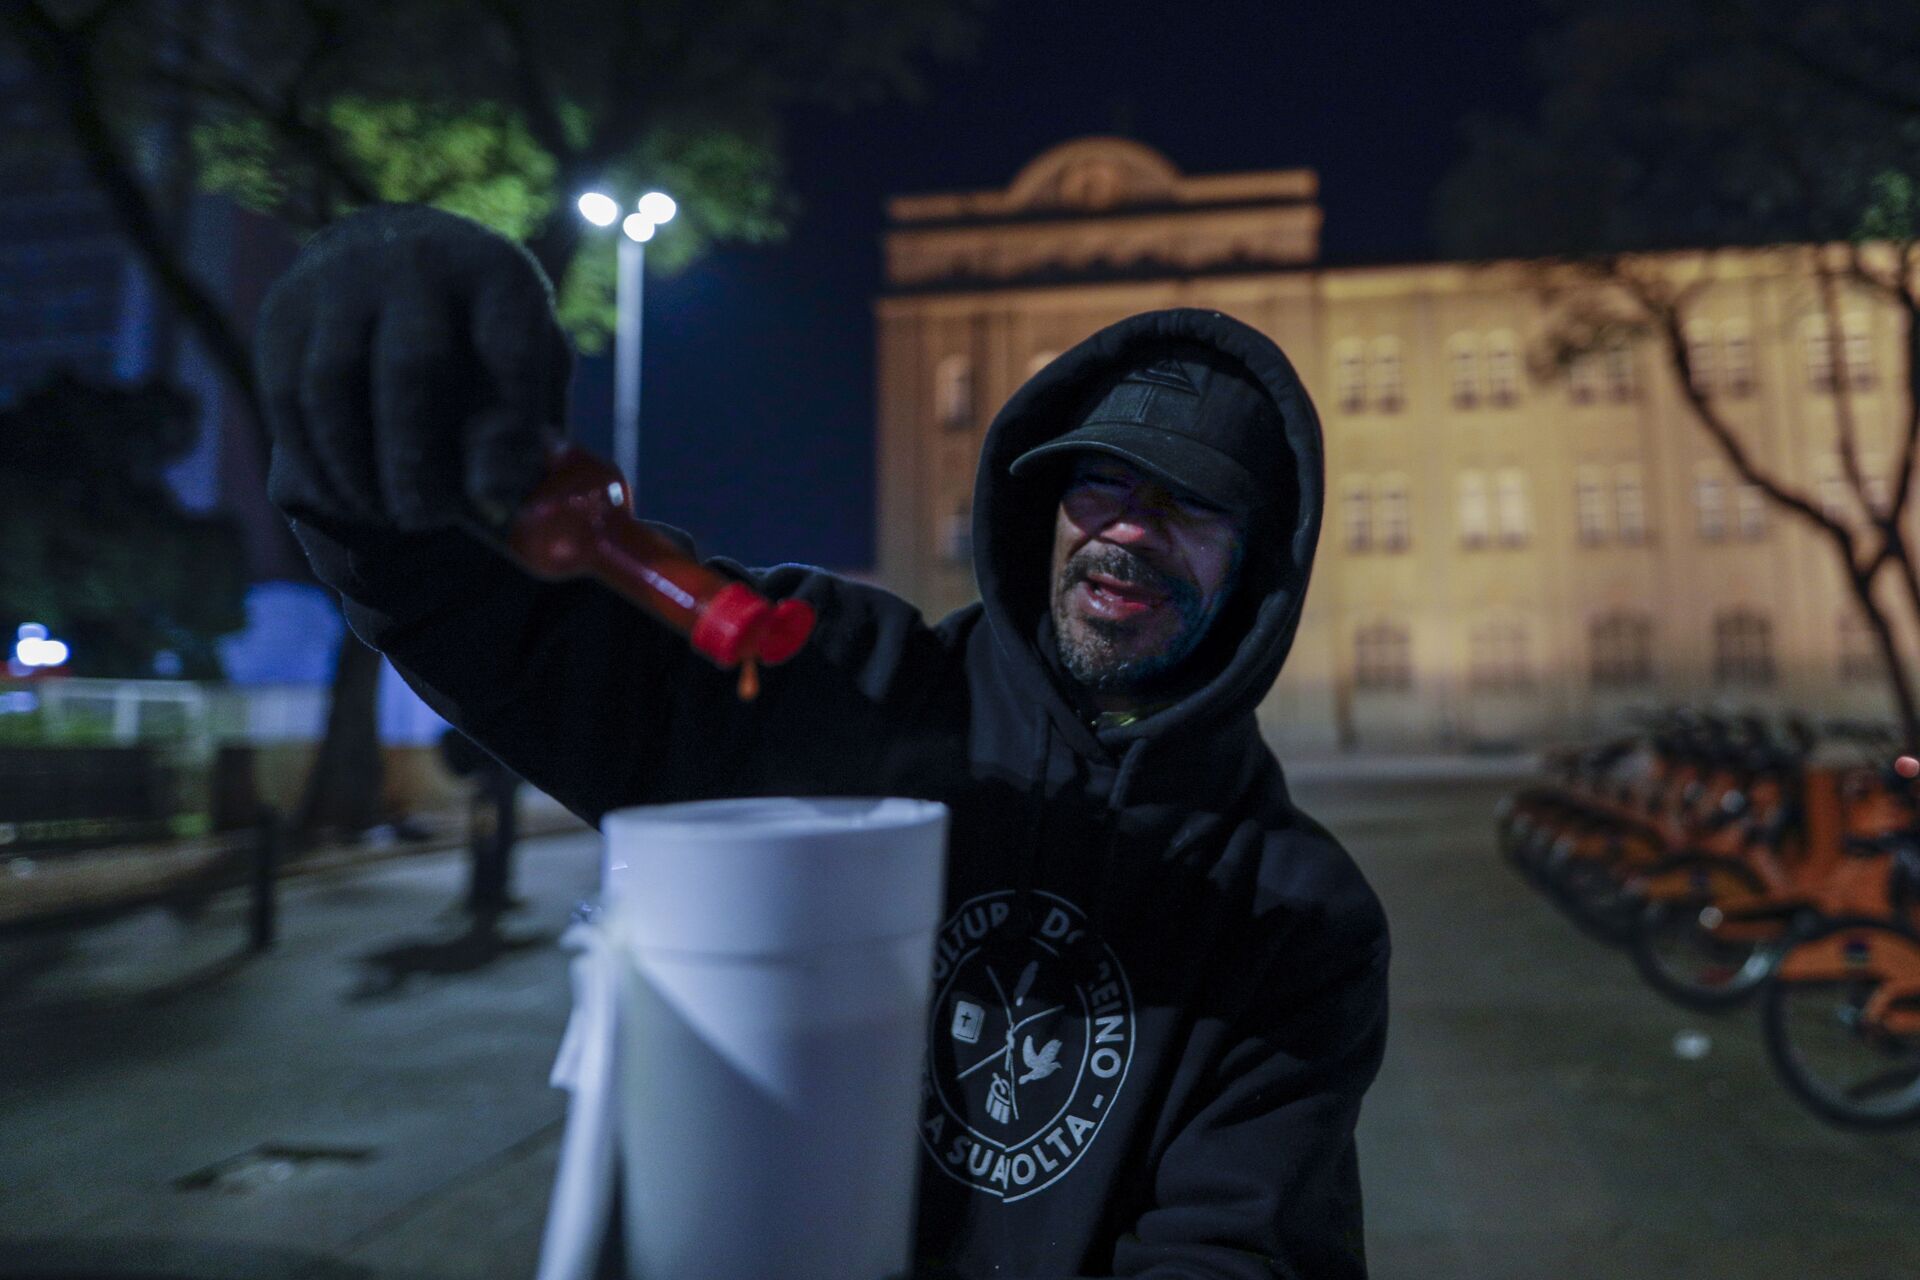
point(413, 372)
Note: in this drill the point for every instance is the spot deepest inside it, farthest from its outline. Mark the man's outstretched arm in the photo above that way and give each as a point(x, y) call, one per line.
point(415, 379)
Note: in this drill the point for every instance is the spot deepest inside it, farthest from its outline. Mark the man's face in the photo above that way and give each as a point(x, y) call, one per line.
point(1140, 571)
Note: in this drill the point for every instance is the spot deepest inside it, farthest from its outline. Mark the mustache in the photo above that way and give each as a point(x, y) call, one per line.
point(1124, 566)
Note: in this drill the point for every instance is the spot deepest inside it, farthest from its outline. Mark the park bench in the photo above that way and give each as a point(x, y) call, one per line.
point(87, 835)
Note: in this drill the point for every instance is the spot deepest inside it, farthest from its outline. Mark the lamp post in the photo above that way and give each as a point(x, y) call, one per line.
point(637, 228)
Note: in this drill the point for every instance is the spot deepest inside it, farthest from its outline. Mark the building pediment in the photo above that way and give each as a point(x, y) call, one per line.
point(1103, 207)
point(1093, 175)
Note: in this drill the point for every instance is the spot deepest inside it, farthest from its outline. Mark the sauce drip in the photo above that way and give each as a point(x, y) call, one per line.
point(749, 680)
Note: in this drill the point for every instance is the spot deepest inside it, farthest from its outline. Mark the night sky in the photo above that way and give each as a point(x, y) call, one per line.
point(757, 431)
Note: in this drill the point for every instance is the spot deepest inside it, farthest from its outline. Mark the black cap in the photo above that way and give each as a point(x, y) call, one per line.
point(1195, 420)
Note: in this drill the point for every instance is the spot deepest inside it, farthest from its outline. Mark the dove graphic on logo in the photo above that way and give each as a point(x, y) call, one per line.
point(1039, 1065)
point(1031, 1039)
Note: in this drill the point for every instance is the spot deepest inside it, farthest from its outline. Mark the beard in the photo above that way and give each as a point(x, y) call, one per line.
point(1093, 649)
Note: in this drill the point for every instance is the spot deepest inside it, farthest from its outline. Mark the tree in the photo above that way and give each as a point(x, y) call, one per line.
point(1677, 137)
point(140, 578)
point(503, 110)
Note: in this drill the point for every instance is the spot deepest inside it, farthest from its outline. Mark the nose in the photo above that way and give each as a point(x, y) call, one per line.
point(1138, 519)
point(1127, 528)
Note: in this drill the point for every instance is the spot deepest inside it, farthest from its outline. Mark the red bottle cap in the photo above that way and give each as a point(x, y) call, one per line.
point(729, 628)
point(787, 631)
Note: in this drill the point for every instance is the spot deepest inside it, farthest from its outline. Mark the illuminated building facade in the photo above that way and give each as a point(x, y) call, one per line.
point(1507, 557)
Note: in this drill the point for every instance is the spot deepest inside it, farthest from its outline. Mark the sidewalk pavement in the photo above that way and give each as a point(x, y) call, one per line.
point(1410, 766)
point(391, 1066)
point(369, 1100)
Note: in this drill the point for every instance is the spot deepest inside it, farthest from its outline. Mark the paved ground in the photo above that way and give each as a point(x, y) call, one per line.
point(1532, 1121)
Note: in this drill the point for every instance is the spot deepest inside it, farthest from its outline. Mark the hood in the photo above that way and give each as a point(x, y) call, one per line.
point(1013, 522)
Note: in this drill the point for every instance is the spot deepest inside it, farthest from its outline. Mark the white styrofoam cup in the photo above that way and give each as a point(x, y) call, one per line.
point(772, 1018)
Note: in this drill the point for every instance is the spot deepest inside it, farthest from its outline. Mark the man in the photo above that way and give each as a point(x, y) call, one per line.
point(1161, 988)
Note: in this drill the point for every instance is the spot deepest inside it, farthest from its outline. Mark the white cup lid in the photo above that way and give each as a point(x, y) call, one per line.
point(775, 874)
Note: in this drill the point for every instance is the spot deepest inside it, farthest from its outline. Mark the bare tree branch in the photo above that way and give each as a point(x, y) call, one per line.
point(553, 246)
point(211, 80)
point(1672, 326)
point(535, 95)
point(1910, 443)
point(1840, 373)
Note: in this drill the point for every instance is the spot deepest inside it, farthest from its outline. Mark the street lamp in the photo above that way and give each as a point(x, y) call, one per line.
point(653, 208)
point(598, 209)
point(34, 650)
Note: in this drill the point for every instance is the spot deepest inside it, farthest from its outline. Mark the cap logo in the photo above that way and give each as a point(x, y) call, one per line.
point(1164, 373)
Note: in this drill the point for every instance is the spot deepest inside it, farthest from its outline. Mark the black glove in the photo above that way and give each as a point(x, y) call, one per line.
point(413, 372)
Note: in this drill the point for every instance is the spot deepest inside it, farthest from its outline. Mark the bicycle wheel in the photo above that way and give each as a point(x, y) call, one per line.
point(1516, 812)
point(1530, 852)
point(1845, 1064)
point(1676, 948)
point(1596, 896)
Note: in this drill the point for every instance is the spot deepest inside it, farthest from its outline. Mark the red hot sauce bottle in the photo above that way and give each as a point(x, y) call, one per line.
point(579, 521)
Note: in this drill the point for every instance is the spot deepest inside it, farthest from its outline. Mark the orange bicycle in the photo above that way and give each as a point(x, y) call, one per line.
point(1841, 1014)
point(1676, 809)
point(1719, 915)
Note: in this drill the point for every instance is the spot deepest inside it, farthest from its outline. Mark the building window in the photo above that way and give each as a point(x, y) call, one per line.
point(1617, 365)
point(1510, 495)
point(1860, 661)
point(1831, 487)
point(1630, 504)
point(953, 393)
point(1382, 657)
point(1621, 649)
point(1503, 368)
point(1463, 370)
point(1583, 378)
point(1475, 519)
point(1873, 478)
point(1817, 346)
point(1590, 504)
point(1497, 656)
point(1389, 381)
point(1833, 497)
point(1857, 347)
point(1710, 503)
point(956, 533)
point(1700, 362)
point(1742, 647)
point(1750, 511)
point(1357, 516)
point(1739, 362)
point(1350, 376)
point(1396, 525)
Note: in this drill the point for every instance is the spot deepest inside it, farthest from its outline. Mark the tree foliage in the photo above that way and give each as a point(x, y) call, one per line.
point(506, 110)
point(96, 546)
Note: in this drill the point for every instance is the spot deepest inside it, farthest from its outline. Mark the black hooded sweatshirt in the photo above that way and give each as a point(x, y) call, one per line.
point(1160, 990)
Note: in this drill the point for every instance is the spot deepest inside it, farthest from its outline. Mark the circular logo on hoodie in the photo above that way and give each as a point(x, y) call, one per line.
point(1029, 1044)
